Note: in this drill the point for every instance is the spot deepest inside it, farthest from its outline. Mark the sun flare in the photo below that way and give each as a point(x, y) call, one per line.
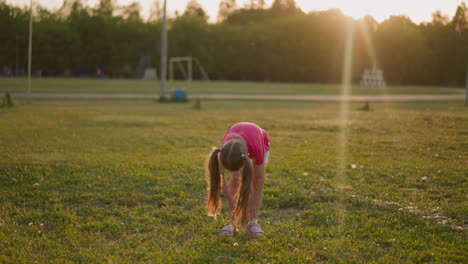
point(417, 10)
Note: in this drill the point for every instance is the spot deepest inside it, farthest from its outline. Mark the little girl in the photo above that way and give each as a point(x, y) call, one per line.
point(241, 143)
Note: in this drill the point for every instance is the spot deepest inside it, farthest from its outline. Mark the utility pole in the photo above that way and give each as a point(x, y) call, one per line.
point(162, 96)
point(466, 90)
point(189, 68)
point(16, 63)
point(30, 50)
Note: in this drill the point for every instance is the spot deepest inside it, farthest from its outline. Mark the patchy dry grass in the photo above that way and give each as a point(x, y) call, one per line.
point(122, 181)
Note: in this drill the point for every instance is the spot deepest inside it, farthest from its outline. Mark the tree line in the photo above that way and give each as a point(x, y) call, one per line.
point(254, 42)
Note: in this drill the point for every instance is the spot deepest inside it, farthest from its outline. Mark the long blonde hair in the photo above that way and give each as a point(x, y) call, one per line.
point(233, 156)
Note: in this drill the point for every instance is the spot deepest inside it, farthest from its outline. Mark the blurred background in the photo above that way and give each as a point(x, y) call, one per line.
point(419, 42)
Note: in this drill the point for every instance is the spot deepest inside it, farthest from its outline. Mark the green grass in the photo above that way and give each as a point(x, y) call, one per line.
point(46, 85)
point(122, 181)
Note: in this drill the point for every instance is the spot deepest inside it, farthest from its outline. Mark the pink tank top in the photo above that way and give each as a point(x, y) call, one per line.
point(256, 138)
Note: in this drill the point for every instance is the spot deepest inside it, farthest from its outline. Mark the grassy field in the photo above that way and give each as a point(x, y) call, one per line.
point(46, 85)
point(122, 181)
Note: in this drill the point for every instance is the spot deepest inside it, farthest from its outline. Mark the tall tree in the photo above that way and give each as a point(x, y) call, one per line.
point(439, 19)
point(459, 27)
point(226, 8)
point(195, 9)
point(460, 20)
point(66, 8)
point(132, 11)
point(285, 7)
point(156, 11)
point(106, 7)
point(401, 50)
point(255, 4)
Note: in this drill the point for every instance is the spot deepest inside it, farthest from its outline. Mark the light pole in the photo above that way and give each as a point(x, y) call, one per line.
point(466, 90)
point(162, 96)
point(30, 50)
point(16, 62)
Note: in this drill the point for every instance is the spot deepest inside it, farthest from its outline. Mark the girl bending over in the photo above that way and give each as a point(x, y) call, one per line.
point(244, 152)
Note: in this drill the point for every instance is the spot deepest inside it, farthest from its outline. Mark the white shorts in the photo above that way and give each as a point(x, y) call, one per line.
point(265, 159)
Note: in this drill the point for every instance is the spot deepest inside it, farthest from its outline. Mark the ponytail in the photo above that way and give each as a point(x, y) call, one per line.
point(240, 217)
point(214, 184)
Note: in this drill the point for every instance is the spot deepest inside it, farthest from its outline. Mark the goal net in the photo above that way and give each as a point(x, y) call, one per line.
point(185, 67)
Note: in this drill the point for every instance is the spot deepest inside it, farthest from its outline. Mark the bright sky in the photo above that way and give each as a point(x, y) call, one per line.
point(417, 10)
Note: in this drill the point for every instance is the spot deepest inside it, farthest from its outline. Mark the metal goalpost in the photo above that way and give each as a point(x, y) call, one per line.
point(187, 72)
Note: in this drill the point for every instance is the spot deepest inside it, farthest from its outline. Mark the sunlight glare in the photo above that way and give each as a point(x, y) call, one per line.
point(344, 112)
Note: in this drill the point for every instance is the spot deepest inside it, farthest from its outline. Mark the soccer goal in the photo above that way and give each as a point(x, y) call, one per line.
point(185, 66)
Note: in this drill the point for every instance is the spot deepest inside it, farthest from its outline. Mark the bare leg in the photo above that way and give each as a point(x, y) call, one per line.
point(229, 192)
point(258, 181)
